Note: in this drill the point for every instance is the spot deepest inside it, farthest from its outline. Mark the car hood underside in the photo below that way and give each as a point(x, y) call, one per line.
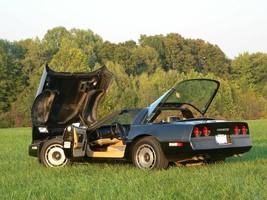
point(65, 98)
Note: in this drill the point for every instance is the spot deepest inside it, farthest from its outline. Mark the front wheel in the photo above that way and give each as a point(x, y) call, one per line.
point(52, 154)
point(147, 154)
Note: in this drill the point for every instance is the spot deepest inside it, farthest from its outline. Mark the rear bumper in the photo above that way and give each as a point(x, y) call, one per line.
point(236, 144)
point(207, 147)
point(208, 143)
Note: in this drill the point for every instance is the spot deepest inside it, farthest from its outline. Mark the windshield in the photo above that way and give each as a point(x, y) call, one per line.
point(126, 116)
point(197, 93)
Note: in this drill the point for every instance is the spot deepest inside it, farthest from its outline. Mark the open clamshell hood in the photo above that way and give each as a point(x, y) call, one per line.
point(65, 97)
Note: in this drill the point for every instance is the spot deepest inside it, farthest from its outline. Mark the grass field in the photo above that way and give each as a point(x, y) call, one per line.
point(22, 177)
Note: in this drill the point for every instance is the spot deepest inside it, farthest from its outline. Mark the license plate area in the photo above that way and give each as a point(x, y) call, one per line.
point(223, 139)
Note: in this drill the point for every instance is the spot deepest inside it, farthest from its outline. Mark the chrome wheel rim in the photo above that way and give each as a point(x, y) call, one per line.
point(54, 156)
point(145, 157)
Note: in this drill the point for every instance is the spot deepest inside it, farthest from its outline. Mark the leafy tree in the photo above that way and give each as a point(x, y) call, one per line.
point(224, 102)
point(143, 59)
point(84, 41)
point(259, 70)
point(4, 104)
point(122, 92)
point(215, 61)
point(32, 71)
point(254, 108)
point(105, 52)
point(52, 41)
point(156, 42)
point(12, 79)
point(177, 53)
point(72, 60)
point(250, 71)
point(242, 70)
point(34, 57)
point(264, 92)
point(122, 55)
point(208, 58)
point(130, 44)
point(84, 38)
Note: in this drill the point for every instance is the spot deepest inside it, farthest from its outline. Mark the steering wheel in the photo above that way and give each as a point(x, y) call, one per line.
point(117, 129)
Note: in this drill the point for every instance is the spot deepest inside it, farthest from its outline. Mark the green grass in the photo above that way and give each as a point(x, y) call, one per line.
point(22, 177)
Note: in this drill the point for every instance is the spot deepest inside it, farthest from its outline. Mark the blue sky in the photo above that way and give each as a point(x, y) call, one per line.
point(236, 26)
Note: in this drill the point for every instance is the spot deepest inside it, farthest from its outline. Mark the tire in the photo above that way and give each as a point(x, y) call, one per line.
point(52, 154)
point(147, 154)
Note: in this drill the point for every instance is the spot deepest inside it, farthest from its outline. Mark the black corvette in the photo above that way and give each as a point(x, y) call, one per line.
point(170, 130)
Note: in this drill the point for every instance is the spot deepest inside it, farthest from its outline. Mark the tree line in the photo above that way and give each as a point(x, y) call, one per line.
point(143, 71)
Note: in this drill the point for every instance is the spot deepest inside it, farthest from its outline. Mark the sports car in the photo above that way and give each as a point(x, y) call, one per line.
point(173, 129)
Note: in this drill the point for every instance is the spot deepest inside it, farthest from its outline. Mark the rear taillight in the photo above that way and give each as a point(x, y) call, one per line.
point(205, 131)
point(236, 130)
point(196, 132)
point(199, 131)
point(240, 130)
point(244, 130)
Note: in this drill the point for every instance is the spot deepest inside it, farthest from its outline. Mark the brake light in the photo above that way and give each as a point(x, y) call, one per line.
point(244, 130)
point(196, 132)
point(205, 131)
point(236, 130)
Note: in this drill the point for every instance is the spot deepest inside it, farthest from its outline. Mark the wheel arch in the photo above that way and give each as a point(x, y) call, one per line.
point(146, 153)
point(129, 146)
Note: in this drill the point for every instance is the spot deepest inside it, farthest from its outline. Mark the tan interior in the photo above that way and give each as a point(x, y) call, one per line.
point(115, 149)
point(104, 141)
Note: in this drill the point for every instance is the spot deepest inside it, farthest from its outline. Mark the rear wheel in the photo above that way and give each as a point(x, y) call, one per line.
point(52, 154)
point(147, 154)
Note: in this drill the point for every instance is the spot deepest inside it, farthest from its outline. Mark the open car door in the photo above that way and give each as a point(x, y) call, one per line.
point(75, 141)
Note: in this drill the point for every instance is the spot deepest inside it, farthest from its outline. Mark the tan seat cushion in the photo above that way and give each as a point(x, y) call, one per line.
point(104, 141)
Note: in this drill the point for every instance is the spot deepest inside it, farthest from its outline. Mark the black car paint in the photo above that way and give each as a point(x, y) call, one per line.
point(181, 131)
point(84, 112)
